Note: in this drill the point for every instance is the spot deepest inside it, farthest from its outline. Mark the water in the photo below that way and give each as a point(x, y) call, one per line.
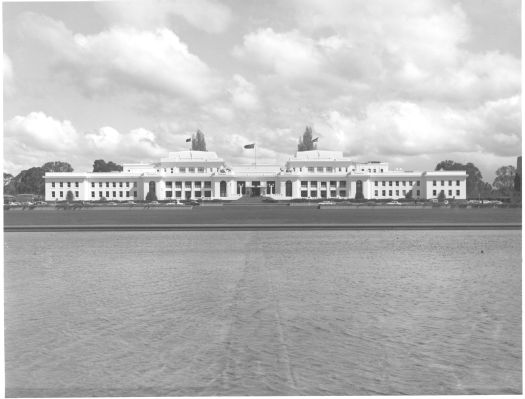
point(263, 313)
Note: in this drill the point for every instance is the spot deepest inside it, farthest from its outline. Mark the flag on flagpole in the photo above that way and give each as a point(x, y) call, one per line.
point(248, 146)
point(315, 140)
point(188, 140)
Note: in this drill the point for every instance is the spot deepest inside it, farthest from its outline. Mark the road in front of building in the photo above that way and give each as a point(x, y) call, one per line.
point(260, 216)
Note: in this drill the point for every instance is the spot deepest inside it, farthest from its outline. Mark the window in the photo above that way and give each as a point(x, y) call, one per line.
point(114, 193)
point(134, 184)
point(169, 184)
point(120, 184)
point(375, 193)
point(114, 184)
point(198, 185)
point(434, 193)
point(61, 184)
point(207, 184)
point(182, 170)
point(178, 184)
point(178, 194)
point(310, 169)
point(383, 193)
point(418, 183)
point(333, 193)
point(68, 184)
point(381, 170)
point(198, 194)
point(434, 182)
point(320, 169)
point(313, 184)
point(200, 170)
point(457, 182)
point(404, 192)
point(417, 192)
point(397, 183)
point(333, 183)
point(374, 170)
point(404, 183)
point(171, 170)
point(323, 184)
point(457, 192)
point(376, 184)
point(329, 169)
point(52, 184)
point(390, 193)
point(390, 183)
point(100, 194)
point(383, 183)
point(304, 184)
point(92, 184)
point(450, 182)
point(107, 184)
point(107, 194)
point(410, 183)
point(120, 194)
point(76, 184)
point(127, 194)
point(169, 194)
point(313, 193)
point(92, 194)
point(53, 194)
point(397, 193)
point(304, 193)
point(342, 183)
point(134, 193)
point(369, 170)
point(187, 184)
point(61, 194)
point(442, 182)
point(207, 194)
point(191, 170)
point(100, 184)
point(76, 194)
point(342, 193)
point(449, 192)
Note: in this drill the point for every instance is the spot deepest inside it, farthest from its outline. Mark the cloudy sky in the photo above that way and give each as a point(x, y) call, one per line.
point(409, 82)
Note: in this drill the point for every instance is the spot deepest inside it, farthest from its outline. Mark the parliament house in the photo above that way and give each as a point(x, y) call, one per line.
point(308, 175)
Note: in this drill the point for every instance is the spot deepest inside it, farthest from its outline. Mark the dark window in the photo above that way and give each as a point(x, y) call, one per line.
point(53, 194)
point(342, 183)
point(383, 193)
point(92, 184)
point(107, 184)
point(127, 194)
point(92, 194)
point(198, 194)
point(61, 194)
point(222, 188)
point(120, 184)
point(207, 184)
point(457, 192)
point(449, 192)
point(207, 194)
point(304, 183)
point(52, 184)
point(61, 184)
point(169, 194)
point(304, 193)
point(134, 193)
point(342, 193)
point(198, 184)
point(288, 188)
point(418, 193)
point(313, 193)
point(114, 184)
point(333, 193)
point(114, 193)
point(120, 194)
point(69, 184)
point(178, 194)
point(107, 194)
point(434, 182)
point(389, 193)
point(457, 182)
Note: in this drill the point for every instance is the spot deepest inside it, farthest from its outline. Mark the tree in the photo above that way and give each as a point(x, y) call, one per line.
point(441, 196)
point(30, 181)
point(475, 185)
point(101, 166)
point(408, 195)
point(306, 141)
point(198, 142)
point(504, 181)
point(151, 196)
point(69, 196)
point(57, 166)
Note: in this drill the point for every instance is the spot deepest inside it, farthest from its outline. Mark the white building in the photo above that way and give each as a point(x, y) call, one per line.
point(309, 174)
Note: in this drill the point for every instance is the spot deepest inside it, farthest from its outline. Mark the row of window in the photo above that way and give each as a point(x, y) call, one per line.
point(322, 193)
point(113, 184)
point(189, 170)
point(61, 184)
point(397, 193)
point(435, 193)
point(397, 183)
point(120, 194)
point(188, 184)
point(434, 182)
point(196, 194)
point(62, 194)
point(315, 183)
point(330, 169)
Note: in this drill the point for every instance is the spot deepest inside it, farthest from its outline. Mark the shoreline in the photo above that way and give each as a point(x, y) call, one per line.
point(261, 227)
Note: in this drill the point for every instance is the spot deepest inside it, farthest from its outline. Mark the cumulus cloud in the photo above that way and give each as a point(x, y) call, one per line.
point(244, 94)
point(43, 138)
point(123, 57)
point(207, 15)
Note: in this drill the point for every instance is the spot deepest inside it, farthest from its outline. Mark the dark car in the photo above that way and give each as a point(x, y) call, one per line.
point(191, 202)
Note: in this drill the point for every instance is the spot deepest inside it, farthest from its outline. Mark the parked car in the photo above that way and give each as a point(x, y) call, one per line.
point(154, 202)
point(394, 203)
point(112, 203)
point(191, 202)
point(326, 203)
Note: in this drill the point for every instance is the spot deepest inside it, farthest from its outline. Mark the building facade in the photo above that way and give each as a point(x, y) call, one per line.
point(203, 175)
